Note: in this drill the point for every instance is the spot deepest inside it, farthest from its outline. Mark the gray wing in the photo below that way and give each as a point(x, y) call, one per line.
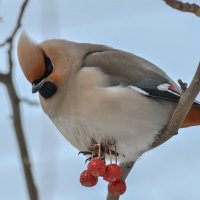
point(130, 70)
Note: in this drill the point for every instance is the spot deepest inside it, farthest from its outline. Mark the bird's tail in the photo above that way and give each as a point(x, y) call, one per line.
point(193, 117)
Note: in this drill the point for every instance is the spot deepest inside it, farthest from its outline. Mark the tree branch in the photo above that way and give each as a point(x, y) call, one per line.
point(181, 111)
point(4, 78)
point(184, 105)
point(184, 7)
point(17, 25)
point(126, 169)
point(29, 102)
point(15, 104)
point(174, 124)
point(182, 85)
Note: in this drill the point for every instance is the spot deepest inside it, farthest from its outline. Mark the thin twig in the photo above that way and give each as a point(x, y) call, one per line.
point(15, 103)
point(17, 25)
point(126, 169)
point(4, 78)
point(21, 141)
point(182, 85)
point(29, 102)
point(184, 7)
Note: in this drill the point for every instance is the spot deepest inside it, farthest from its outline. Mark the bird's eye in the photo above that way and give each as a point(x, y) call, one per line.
point(48, 69)
point(48, 65)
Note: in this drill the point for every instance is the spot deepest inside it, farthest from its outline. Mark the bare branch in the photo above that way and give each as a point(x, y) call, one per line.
point(4, 78)
point(21, 141)
point(17, 26)
point(184, 7)
point(186, 100)
point(182, 85)
point(3, 43)
point(15, 103)
point(126, 168)
point(174, 124)
point(182, 109)
point(29, 102)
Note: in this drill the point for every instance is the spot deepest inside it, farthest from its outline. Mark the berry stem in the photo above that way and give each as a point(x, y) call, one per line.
point(99, 152)
point(115, 155)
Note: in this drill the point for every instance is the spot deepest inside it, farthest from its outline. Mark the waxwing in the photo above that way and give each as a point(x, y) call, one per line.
point(94, 93)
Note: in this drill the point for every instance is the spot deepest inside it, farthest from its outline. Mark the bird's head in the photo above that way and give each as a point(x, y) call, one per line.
point(41, 64)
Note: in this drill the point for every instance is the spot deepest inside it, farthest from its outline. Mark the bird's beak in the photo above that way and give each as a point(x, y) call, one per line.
point(37, 86)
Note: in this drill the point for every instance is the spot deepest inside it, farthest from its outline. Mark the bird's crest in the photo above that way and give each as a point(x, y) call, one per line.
point(31, 58)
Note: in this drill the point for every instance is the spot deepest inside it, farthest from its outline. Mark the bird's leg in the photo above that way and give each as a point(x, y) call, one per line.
point(95, 151)
point(110, 151)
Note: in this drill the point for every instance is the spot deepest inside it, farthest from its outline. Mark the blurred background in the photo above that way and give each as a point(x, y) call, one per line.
point(150, 29)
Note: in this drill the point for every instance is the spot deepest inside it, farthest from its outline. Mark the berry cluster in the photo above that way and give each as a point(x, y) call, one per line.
point(111, 173)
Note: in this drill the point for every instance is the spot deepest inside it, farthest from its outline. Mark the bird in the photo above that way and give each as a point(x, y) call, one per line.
point(98, 94)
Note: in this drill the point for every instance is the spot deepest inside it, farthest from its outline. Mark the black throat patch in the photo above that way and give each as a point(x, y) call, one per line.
point(48, 90)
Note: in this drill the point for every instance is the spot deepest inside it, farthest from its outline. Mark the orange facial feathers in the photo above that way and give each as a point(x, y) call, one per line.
point(31, 58)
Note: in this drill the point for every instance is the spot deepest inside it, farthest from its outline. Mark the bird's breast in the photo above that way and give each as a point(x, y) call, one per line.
point(92, 112)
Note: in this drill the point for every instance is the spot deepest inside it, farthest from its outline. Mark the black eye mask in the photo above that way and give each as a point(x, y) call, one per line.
point(48, 69)
point(46, 88)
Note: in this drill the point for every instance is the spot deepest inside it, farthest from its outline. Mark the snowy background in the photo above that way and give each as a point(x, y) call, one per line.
point(148, 28)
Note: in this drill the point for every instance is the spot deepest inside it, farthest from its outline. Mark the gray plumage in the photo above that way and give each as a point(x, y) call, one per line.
point(93, 100)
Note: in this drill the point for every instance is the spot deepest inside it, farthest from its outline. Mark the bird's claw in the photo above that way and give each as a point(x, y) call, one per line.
point(85, 153)
point(91, 157)
point(100, 150)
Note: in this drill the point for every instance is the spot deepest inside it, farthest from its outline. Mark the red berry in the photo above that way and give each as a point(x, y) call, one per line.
point(113, 173)
point(97, 167)
point(117, 188)
point(87, 179)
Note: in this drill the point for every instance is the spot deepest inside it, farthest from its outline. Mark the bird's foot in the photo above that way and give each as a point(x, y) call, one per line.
point(100, 150)
point(90, 158)
point(85, 153)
